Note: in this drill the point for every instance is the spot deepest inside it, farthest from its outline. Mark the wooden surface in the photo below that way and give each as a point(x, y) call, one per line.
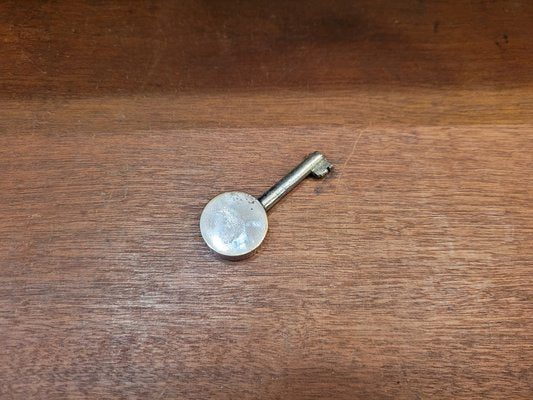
point(408, 273)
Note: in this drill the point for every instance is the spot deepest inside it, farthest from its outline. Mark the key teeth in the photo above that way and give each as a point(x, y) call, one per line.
point(322, 169)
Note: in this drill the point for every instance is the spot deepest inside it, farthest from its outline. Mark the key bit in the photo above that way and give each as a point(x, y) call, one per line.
point(234, 224)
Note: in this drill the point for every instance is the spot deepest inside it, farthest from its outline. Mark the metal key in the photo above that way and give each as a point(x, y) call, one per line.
point(234, 224)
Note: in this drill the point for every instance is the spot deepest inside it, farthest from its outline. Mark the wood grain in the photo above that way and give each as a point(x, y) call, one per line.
point(405, 274)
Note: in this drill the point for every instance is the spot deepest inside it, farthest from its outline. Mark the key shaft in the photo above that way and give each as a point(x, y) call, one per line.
point(314, 164)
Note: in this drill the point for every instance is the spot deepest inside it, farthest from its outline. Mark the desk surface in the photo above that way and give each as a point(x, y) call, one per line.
point(407, 273)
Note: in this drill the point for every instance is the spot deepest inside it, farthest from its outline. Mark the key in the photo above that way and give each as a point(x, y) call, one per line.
point(234, 224)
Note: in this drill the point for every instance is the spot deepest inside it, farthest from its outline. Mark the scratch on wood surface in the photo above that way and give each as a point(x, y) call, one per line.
point(352, 151)
point(163, 391)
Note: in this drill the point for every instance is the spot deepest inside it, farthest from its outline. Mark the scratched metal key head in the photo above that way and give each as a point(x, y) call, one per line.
point(234, 224)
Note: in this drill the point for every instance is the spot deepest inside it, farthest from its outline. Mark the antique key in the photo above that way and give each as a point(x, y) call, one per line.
point(234, 224)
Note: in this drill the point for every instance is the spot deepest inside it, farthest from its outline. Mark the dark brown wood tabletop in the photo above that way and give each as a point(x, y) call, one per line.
point(407, 273)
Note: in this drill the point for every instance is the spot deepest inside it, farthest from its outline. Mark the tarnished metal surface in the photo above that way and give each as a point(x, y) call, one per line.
point(234, 224)
point(314, 164)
